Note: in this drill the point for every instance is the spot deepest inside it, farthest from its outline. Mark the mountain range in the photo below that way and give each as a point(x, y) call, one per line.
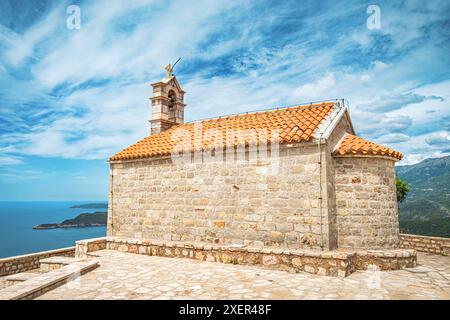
point(426, 209)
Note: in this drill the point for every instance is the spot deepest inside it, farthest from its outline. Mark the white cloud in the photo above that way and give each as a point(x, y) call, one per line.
point(97, 52)
point(9, 161)
point(97, 120)
point(318, 89)
point(419, 147)
point(428, 110)
point(99, 132)
point(441, 138)
point(21, 47)
point(393, 138)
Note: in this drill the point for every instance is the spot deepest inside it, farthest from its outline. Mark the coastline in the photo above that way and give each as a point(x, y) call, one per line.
point(58, 226)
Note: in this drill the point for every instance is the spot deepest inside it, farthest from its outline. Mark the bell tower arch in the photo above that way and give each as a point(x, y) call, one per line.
point(167, 103)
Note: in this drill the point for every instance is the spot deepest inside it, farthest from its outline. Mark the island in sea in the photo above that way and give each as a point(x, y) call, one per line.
point(96, 219)
point(90, 206)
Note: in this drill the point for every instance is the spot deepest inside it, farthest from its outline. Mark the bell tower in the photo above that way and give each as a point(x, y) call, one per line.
point(167, 103)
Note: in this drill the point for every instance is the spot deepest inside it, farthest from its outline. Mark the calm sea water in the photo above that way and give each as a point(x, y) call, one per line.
point(17, 219)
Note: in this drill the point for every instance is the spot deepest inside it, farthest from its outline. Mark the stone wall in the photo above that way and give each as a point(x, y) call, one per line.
point(328, 193)
point(435, 245)
point(28, 262)
point(271, 202)
point(84, 247)
point(329, 196)
point(367, 213)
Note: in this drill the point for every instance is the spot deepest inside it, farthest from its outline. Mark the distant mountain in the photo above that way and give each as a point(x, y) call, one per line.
point(90, 206)
point(426, 209)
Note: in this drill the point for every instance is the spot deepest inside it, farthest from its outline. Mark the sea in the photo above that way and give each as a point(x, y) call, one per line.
point(17, 220)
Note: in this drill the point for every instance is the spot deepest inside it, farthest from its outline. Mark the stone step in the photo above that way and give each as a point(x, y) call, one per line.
point(19, 277)
point(44, 282)
point(53, 263)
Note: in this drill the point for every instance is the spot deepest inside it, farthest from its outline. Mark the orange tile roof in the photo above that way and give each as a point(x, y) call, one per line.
point(294, 124)
point(353, 145)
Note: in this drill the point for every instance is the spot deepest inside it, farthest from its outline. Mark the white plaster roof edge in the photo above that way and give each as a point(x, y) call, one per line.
point(327, 125)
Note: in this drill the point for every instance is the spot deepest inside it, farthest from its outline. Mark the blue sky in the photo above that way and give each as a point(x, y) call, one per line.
point(69, 99)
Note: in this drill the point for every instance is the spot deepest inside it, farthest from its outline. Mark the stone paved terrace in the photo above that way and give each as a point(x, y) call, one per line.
point(132, 276)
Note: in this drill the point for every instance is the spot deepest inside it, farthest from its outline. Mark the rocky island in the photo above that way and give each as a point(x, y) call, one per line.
point(90, 206)
point(96, 219)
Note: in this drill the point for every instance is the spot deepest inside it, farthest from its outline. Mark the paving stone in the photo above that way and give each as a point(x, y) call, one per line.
point(131, 276)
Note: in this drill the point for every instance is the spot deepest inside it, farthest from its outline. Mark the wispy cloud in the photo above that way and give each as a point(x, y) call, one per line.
point(9, 160)
point(83, 94)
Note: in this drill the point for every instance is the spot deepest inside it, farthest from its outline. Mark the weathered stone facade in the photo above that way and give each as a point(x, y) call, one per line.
point(261, 203)
point(247, 203)
point(367, 212)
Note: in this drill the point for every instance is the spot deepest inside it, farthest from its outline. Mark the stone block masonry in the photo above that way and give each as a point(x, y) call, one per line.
point(367, 213)
point(273, 202)
point(28, 262)
point(428, 244)
point(83, 247)
point(302, 199)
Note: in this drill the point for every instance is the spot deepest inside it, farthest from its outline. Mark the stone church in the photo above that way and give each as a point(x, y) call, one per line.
point(295, 177)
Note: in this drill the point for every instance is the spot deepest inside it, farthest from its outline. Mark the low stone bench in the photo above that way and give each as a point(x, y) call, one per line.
point(44, 282)
point(53, 263)
point(19, 277)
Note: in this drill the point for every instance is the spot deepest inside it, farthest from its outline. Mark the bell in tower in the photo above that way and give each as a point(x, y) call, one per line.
point(167, 103)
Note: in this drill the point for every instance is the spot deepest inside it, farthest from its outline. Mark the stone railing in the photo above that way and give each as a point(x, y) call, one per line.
point(28, 262)
point(435, 245)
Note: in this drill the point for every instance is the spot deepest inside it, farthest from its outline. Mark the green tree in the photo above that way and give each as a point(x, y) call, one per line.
point(402, 190)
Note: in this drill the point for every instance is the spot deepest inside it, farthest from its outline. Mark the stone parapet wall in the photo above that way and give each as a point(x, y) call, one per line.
point(435, 245)
point(387, 259)
point(28, 262)
point(83, 247)
point(329, 263)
